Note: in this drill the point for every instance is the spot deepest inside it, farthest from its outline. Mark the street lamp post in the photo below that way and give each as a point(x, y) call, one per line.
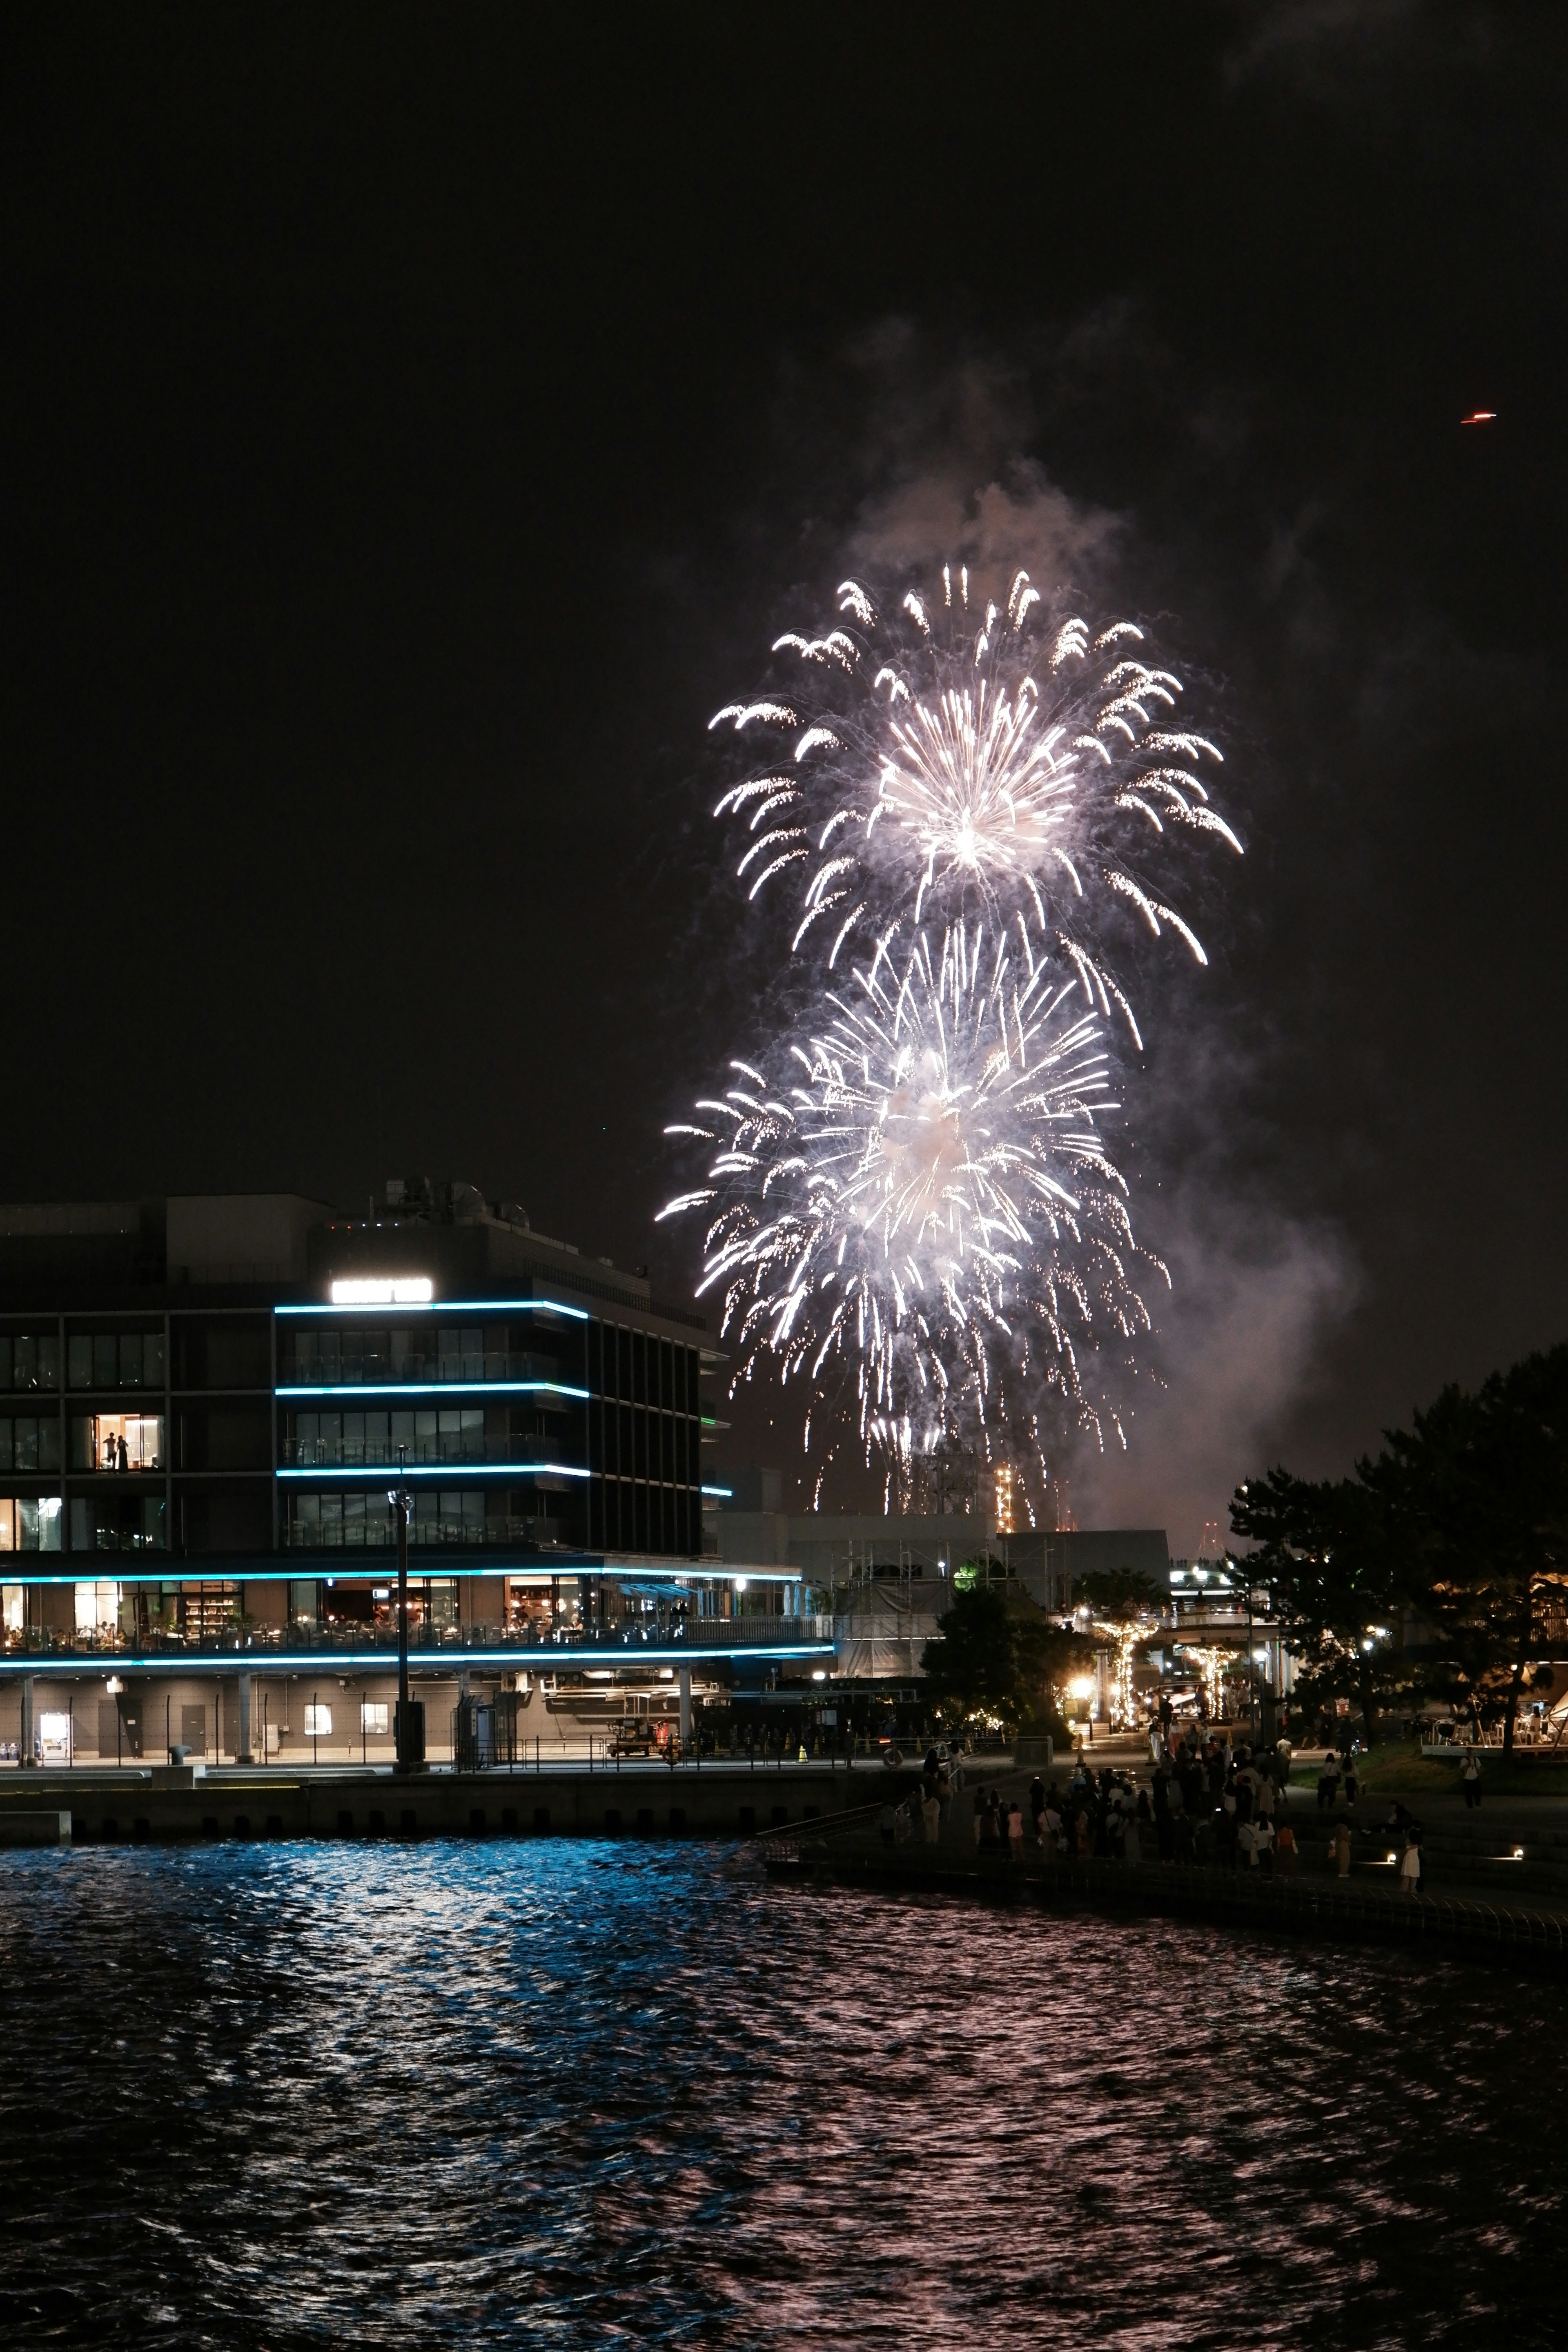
point(409, 1728)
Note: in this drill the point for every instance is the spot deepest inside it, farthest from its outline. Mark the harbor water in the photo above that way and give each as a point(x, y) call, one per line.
point(580, 2092)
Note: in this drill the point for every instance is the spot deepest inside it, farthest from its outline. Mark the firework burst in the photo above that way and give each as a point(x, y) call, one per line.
point(912, 1208)
point(943, 760)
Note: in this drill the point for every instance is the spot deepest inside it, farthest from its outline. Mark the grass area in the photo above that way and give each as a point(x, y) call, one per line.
point(1399, 1768)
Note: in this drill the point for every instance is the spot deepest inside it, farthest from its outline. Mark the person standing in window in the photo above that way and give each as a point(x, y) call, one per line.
point(124, 1453)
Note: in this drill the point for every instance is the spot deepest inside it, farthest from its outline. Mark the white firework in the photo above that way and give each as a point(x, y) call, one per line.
point(939, 760)
point(913, 1207)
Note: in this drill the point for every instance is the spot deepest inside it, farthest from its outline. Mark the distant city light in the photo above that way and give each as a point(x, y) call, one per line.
point(395, 1290)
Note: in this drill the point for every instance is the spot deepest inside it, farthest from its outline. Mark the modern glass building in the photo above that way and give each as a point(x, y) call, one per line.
point(205, 1403)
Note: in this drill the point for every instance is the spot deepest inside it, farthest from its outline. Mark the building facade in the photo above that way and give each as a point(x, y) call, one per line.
point(205, 1403)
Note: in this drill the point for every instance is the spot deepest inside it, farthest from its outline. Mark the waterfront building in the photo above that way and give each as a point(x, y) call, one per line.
point(205, 1403)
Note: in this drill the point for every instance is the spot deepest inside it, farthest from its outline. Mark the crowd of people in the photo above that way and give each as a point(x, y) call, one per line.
point(1209, 1802)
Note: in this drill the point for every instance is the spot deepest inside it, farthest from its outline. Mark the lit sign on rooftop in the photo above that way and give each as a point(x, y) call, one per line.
point(393, 1290)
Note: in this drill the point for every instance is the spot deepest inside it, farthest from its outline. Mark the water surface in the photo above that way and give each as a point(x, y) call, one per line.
point(565, 2093)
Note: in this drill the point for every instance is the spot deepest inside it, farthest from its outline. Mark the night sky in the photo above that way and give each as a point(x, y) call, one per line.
point(417, 422)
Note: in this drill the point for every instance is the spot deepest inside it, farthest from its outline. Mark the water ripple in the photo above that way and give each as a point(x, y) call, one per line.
point(575, 2094)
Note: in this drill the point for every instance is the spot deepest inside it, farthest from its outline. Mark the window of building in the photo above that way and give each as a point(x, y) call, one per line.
point(55, 1735)
point(97, 1608)
point(373, 1717)
point(29, 1442)
point(35, 1520)
point(12, 1605)
point(317, 1722)
point(117, 1441)
point(114, 1359)
point(30, 1361)
point(111, 1521)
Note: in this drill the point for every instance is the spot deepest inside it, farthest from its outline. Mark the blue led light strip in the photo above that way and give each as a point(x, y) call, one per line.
point(386, 1310)
point(439, 1388)
point(453, 1473)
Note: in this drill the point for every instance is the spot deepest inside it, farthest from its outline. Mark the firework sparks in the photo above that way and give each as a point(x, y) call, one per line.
point(911, 1208)
point(914, 1209)
point(939, 760)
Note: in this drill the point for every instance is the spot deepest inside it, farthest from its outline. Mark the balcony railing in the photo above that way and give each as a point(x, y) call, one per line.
point(239, 1645)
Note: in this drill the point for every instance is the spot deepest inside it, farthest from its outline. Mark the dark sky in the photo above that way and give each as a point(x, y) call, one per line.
point(417, 421)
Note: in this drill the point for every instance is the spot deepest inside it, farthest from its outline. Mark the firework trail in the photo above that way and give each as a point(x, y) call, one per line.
point(941, 759)
point(911, 1205)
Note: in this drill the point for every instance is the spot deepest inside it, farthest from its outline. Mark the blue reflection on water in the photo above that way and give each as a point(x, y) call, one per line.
point(574, 2094)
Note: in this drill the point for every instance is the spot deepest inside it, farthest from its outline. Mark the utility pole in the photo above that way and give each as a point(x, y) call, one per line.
point(409, 1728)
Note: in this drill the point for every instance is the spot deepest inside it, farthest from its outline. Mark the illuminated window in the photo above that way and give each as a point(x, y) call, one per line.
point(319, 1722)
point(55, 1731)
point(38, 1524)
point(373, 1717)
point(97, 1608)
point(12, 1605)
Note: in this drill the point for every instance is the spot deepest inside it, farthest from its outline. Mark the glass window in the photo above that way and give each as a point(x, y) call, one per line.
point(473, 1354)
point(38, 1524)
point(373, 1717)
point(131, 1360)
point(24, 1444)
point(5, 1361)
point(153, 1523)
point(49, 1443)
point(328, 1365)
point(306, 1518)
point(317, 1722)
point(402, 1349)
point(13, 1607)
point(402, 1434)
point(152, 1360)
point(25, 1359)
point(8, 1526)
point(48, 1359)
point(305, 1359)
point(7, 1453)
point(105, 1360)
point(353, 1521)
point(376, 1437)
point(78, 1360)
point(354, 1440)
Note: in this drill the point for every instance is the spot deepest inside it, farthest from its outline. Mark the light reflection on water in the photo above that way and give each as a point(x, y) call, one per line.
point(581, 2094)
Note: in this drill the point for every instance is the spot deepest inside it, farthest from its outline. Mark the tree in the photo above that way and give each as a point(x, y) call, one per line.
point(1477, 1494)
point(1331, 1568)
point(1120, 1601)
point(999, 1657)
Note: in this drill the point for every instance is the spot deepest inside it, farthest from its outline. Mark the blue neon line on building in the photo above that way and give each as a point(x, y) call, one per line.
point(438, 1388)
point(388, 1312)
point(454, 1472)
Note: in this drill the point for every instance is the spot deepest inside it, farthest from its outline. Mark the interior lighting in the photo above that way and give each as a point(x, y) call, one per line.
point(114, 1686)
point(393, 1290)
point(819, 1675)
point(740, 1584)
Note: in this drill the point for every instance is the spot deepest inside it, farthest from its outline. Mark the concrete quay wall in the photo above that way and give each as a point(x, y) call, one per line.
point(714, 1801)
